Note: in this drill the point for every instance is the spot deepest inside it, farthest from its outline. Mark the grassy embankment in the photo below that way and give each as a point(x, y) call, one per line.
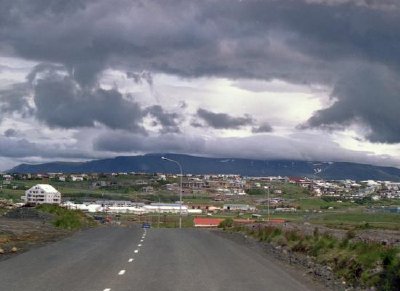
point(358, 263)
point(66, 218)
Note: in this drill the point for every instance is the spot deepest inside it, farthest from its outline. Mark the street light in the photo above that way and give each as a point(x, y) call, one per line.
point(180, 194)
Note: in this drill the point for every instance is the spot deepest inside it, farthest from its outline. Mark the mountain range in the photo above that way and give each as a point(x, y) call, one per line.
point(152, 163)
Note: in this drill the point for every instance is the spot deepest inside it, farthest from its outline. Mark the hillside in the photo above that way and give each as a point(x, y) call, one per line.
point(152, 163)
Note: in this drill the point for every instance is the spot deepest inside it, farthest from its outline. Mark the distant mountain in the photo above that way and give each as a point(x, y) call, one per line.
point(152, 163)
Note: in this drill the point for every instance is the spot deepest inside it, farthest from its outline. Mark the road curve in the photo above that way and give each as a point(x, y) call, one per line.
point(117, 258)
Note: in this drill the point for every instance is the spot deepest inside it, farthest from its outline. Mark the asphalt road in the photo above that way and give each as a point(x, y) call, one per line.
point(118, 258)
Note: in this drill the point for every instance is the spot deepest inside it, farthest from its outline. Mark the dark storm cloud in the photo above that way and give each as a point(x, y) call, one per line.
point(263, 128)
point(222, 120)
point(369, 96)
point(61, 102)
point(255, 39)
point(309, 41)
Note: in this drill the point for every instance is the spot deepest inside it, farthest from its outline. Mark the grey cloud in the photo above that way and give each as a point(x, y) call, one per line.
point(169, 121)
point(196, 124)
point(18, 148)
point(10, 132)
point(15, 99)
point(253, 39)
point(23, 148)
point(367, 96)
point(263, 128)
point(139, 77)
point(174, 143)
point(183, 105)
point(301, 146)
point(223, 120)
point(308, 41)
point(61, 102)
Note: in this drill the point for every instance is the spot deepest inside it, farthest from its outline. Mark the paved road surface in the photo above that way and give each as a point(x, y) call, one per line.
point(117, 258)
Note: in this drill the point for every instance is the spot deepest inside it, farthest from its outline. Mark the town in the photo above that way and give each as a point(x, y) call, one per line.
point(142, 193)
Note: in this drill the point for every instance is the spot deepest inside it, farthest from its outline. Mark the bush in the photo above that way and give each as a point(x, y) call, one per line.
point(226, 223)
point(66, 218)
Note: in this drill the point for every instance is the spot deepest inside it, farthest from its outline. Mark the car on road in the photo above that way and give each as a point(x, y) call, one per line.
point(146, 225)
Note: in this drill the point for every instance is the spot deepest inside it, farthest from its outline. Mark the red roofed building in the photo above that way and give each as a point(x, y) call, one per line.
point(207, 222)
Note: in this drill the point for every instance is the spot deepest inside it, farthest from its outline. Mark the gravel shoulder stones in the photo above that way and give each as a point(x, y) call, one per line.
point(297, 262)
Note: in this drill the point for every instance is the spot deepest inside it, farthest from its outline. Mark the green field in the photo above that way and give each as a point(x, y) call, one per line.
point(359, 219)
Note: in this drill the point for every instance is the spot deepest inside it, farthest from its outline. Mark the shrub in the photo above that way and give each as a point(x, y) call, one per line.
point(66, 218)
point(228, 222)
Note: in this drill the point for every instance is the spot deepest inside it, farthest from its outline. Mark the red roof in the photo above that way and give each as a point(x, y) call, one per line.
point(207, 222)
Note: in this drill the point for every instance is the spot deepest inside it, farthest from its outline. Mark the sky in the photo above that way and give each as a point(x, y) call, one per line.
point(273, 79)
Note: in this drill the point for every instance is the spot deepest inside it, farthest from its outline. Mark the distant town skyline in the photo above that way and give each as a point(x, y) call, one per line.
point(305, 80)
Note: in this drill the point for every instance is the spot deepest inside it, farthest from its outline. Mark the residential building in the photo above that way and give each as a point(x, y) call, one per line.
point(41, 194)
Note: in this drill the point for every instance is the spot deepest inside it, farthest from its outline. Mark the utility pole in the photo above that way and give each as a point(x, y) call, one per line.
point(180, 194)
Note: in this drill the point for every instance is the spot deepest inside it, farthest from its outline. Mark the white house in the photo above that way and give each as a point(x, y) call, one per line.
point(42, 193)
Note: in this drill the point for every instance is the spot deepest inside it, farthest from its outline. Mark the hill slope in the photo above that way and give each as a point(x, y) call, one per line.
point(198, 165)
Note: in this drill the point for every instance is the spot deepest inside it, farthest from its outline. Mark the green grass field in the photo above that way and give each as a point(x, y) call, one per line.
point(359, 219)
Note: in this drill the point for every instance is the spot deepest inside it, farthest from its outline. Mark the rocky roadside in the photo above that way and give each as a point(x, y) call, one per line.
point(22, 229)
point(321, 274)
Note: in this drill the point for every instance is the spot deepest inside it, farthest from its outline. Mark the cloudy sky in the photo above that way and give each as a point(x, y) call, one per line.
point(271, 79)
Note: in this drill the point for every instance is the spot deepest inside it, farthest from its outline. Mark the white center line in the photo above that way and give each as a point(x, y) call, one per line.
point(130, 260)
point(107, 289)
point(139, 245)
point(121, 272)
point(136, 251)
point(141, 240)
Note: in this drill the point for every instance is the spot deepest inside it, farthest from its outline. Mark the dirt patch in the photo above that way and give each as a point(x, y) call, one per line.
point(22, 229)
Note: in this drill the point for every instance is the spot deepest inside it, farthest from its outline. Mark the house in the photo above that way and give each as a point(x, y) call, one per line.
point(207, 222)
point(42, 193)
point(76, 178)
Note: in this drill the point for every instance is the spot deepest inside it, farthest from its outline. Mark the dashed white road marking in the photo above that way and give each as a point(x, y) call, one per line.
point(121, 272)
point(136, 251)
point(141, 240)
point(139, 245)
point(107, 289)
point(130, 260)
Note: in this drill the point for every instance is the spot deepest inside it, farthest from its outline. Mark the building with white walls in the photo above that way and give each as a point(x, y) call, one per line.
point(41, 194)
